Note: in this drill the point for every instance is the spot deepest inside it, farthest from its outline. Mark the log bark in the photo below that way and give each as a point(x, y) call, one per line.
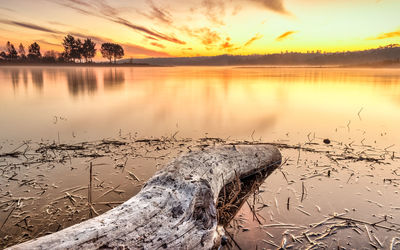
point(175, 209)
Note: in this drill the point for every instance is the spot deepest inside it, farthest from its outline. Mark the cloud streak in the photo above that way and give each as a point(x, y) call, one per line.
point(105, 11)
point(158, 45)
point(387, 35)
point(157, 13)
point(285, 35)
point(30, 26)
point(253, 39)
point(156, 34)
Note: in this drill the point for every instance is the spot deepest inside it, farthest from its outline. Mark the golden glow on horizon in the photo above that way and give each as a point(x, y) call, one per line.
point(187, 28)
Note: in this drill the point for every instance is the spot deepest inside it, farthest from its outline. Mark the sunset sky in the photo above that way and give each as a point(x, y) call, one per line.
point(160, 28)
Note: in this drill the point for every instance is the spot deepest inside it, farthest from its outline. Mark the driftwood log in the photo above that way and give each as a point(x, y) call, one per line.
point(176, 208)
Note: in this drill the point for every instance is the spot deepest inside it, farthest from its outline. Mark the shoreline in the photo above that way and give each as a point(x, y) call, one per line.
point(79, 65)
point(141, 65)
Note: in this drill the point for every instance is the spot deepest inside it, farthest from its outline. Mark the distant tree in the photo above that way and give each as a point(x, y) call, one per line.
point(118, 52)
point(112, 50)
point(88, 49)
point(34, 51)
point(62, 57)
point(72, 48)
point(3, 55)
point(21, 51)
point(68, 44)
point(78, 50)
point(107, 51)
point(11, 51)
point(50, 56)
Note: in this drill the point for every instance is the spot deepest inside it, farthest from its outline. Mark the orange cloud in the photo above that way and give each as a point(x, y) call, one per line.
point(255, 38)
point(285, 35)
point(158, 45)
point(227, 44)
point(209, 37)
point(387, 35)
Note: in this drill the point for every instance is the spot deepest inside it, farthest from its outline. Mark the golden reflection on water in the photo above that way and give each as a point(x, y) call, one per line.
point(271, 103)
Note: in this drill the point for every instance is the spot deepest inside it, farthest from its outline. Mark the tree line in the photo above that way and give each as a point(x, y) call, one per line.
point(75, 50)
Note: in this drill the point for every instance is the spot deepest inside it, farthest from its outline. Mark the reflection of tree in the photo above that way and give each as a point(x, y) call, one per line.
point(82, 81)
point(114, 78)
point(37, 78)
point(15, 77)
point(25, 77)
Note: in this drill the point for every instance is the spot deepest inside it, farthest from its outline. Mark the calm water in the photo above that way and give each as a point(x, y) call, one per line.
point(78, 103)
point(294, 105)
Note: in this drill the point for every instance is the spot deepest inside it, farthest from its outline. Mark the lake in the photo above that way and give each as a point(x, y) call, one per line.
point(87, 103)
point(292, 105)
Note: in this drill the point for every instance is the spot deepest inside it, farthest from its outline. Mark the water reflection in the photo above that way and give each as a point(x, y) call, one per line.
point(25, 77)
point(14, 77)
point(113, 78)
point(37, 78)
point(81, 82)
point(220, 101)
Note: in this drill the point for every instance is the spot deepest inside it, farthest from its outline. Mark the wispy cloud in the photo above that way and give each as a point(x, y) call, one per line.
point(158, 45)
point(214, 11)
point(151, 38)
point(30, 26)
point(285, 35)
point(41, 41)
point(146, 30)
point(161, 15)
point(101, 9)
point(209, 37)
point(274, 5)
point(7, 9)
point(387, 35)
point(205, 35)
point(253, 39)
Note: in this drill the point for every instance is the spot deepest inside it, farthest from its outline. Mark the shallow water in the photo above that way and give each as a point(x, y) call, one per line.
point(357, 109)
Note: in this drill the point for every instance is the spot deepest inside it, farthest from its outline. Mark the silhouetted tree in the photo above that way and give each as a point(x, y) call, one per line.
point(68, 44)
point(78, 50)
point(72, 48)
point(112, 50)
point(88, 49)
point(21, 51)
point(62, 57)
point(11, 51)
point(50, 56)
point(107, 51)
point(118, 52)
point(3, 55)
point(34, 51)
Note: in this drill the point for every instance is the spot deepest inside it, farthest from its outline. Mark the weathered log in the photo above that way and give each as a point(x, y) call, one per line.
point(175, 209)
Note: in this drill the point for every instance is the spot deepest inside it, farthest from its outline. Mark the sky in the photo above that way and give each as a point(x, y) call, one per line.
point(184, 28)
